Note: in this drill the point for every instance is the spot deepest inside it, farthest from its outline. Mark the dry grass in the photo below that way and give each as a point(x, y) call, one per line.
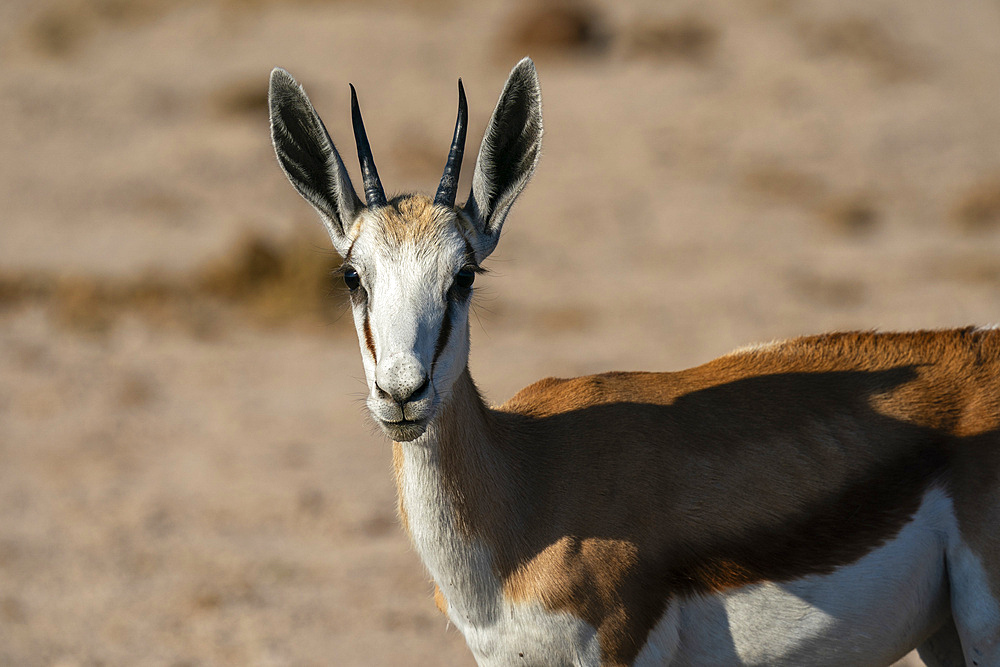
point(65, 27)
point(970, 269)
point(784, 185)
point(555, 28)
point(136, 391)
point(978, 209)
point(688, 38)
point(242, 99)
point(265, 282)
point(88, 304)
point(276, 282)
point(567, 28)
point(864, 40)
point(829, 291)
point(562, 319)
point(853, 215)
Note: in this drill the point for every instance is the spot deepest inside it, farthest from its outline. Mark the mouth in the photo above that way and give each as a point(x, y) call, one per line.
point(403, 430)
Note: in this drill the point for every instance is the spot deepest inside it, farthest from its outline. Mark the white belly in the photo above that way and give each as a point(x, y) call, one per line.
point(871, 612)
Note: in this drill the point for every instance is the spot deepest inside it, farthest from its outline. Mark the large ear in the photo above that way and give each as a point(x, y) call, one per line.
point(309, 158)
point(508, 155)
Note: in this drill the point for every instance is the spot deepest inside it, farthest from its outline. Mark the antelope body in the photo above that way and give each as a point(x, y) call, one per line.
point(832, 500)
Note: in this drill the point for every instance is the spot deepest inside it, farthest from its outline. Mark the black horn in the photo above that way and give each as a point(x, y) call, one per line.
point(374, 194)
point(449, 181)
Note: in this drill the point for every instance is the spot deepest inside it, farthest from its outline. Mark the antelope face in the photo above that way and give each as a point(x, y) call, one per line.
point(410, 269)
point(410, 262)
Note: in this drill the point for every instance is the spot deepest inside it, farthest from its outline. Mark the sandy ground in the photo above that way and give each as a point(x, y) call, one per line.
point(187, 475)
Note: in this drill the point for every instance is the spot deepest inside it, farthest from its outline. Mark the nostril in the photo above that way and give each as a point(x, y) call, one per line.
point(382, 393)
point(422, 388)
point(405, 394)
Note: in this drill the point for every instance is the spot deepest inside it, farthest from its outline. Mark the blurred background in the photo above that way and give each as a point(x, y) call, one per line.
point(187, 476)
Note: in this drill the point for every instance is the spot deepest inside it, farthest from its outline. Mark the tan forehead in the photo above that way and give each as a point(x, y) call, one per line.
point(411, 218)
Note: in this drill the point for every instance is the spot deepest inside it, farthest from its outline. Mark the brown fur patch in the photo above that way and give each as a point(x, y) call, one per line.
point(411, 217)
point(608, 495)
point(439, 601)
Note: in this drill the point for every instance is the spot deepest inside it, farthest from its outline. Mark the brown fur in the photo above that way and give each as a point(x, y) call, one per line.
point(369, 339)
point(440, 602)
point(411, 216)
point(607, 496)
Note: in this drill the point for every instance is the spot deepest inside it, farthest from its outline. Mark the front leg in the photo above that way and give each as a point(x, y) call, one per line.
point(943, 648)
point(975, 607)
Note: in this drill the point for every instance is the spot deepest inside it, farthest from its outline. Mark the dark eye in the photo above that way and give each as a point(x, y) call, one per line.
point(351, 279)
point(464, 278)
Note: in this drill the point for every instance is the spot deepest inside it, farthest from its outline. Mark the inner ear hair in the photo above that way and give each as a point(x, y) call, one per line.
point(309, 158)
point(508, 155)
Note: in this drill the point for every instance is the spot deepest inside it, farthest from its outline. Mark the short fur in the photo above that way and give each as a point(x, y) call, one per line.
point(831, 500)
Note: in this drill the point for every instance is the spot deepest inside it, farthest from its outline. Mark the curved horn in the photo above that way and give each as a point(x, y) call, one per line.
point(449, 181)
point(374, 194)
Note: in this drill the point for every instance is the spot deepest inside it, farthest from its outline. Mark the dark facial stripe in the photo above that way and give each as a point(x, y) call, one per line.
point(369, 339)
point(470, 253)
point(443, 335)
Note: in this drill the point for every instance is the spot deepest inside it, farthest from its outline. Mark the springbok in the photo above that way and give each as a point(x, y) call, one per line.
point(831, 500)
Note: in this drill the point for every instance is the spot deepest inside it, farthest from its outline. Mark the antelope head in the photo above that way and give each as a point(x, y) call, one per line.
point(410, 261)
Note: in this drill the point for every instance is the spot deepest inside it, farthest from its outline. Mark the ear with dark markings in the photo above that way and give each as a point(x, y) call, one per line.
point(508, 155)
point(309, 158)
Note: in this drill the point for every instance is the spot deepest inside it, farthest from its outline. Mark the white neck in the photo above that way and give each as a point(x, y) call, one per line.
point(445, 478)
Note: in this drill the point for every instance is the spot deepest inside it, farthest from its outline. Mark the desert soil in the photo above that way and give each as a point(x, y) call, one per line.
point(187, 476)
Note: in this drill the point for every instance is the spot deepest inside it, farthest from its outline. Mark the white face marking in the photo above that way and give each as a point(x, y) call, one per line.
point(869, 612)
point(407, 297)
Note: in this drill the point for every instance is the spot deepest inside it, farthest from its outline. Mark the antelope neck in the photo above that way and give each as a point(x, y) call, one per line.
point(459, 497)
point(465, 451)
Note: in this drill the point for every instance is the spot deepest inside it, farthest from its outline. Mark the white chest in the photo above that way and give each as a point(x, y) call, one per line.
point(531, 636)
point(498, 632)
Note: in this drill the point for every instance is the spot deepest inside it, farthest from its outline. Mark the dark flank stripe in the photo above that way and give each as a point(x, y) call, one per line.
point(443, 335)
point(836, 441)
point(369, 339)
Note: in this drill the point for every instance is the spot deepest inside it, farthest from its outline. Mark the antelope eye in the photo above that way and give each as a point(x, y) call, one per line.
point(464, 278)
point(352, 279)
